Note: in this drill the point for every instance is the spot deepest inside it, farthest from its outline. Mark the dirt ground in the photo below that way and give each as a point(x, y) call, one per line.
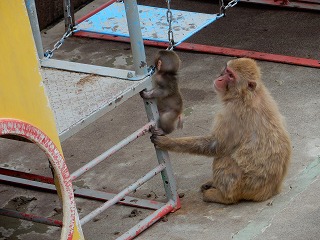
point(293, 214)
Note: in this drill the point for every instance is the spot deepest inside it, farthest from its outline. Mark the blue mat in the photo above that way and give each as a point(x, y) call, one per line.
point(154, 26)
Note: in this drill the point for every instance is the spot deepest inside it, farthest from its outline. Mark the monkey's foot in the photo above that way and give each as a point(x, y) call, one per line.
point(215, 195)
point(206, 186)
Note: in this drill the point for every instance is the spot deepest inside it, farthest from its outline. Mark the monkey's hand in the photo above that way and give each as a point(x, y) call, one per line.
point(162, 142)
point(146, 94)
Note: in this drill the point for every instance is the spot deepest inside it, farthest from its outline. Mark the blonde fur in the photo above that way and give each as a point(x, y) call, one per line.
point(249, 142)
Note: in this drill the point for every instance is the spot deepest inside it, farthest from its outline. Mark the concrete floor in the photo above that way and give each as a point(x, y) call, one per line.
point(293, 214)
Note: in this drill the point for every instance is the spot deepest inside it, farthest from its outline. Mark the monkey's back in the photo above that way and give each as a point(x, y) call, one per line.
point(173, 100)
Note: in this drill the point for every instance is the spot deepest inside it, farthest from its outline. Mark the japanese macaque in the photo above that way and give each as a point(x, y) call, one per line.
point(249, 142)
point(167, 92)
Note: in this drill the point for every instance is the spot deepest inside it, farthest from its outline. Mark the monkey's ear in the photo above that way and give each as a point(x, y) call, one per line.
point(252, 85)
point(159, 65)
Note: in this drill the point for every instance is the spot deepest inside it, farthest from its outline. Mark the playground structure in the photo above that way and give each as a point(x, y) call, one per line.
point(73, 109)
point(33, 120)
point(68, 122)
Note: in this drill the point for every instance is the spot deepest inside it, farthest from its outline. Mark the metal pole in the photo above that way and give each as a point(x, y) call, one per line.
point(137, 47)
point(112, 150)
point(30, 217)
point(123, 193)
point(32, 13)
point(27, 180)
point(148, 221)
point(163, 157)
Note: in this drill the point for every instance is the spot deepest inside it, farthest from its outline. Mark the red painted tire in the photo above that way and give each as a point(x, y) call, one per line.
point(32, 133)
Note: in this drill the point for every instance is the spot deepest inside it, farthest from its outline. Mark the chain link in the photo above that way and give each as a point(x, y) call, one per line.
point(170, 32)
point(231, 4)
point(223, 8)
point(57, 45)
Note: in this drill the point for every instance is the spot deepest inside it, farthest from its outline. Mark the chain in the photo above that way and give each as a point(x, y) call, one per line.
point(231, 4)
point(170, 32)
point(223, 8)
point(49, 53)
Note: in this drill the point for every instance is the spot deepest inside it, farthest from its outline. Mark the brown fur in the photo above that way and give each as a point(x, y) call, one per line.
point(249, 142)
point(166, 90)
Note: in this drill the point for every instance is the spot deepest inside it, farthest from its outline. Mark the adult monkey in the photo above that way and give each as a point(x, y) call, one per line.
point(249, 142)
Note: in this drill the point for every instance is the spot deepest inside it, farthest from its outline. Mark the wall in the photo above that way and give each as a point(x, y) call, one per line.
point(51, 11)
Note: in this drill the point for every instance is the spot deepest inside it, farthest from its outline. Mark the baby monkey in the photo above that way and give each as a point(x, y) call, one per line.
point(166, 91)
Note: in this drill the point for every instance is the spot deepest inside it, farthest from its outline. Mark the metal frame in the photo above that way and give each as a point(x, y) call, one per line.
point(42, 183)
point(71, 66)
point(164, 167)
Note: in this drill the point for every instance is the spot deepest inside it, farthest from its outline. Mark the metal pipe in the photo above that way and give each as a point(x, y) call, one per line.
point(30, 217)
point(112, 150)
point(148, 221)
point(27, 180)
point(163, 157)
point(137, 47)
point(33, 18)
point(123, 193)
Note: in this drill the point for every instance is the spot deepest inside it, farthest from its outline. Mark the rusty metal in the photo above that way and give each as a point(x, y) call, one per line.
point(28, 180)
point(148, 221)
point(123, 193)
point(30, 217)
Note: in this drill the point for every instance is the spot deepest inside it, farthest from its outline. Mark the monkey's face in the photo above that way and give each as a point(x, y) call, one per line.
point(225, 81)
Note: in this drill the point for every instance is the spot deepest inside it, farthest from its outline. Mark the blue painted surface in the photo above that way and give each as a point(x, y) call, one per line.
point(153, 21)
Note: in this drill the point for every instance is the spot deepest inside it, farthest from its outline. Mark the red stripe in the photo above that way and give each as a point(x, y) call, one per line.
point(215, 50)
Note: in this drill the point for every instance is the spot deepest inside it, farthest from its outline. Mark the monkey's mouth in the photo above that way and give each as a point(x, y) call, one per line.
point(217, 89)
point(215, 86)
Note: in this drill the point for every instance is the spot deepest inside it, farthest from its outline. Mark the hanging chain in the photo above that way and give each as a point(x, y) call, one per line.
point(49, 53)
point(223, 8)
point(170, 32)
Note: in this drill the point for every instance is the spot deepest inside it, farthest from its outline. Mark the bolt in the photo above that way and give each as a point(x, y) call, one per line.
point(130, 75)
